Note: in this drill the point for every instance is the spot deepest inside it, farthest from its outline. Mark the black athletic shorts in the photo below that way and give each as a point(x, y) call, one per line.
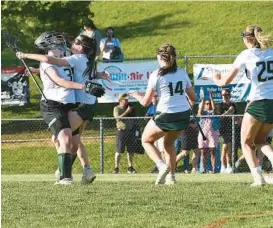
point(124, 139)
point(55, 115)
point(85, 111)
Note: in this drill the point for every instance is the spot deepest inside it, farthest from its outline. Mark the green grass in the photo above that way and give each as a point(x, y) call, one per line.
point(195, 28)
point(40, 158)
point(134, 201)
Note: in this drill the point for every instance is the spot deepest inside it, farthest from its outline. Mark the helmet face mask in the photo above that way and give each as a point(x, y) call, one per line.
point(51, 40)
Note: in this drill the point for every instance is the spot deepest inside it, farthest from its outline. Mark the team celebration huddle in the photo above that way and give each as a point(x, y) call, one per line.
point(70, 90)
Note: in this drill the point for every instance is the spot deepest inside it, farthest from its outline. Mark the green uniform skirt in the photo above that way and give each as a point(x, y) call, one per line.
point(172, 121)
point(261, 110)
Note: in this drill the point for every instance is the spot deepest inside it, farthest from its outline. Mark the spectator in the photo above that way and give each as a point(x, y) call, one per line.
point(152, 107)
point(91, 31)
point(226, 107)
point(189, 142)
point(110, 47)
point(125, 132)
point(210, 128)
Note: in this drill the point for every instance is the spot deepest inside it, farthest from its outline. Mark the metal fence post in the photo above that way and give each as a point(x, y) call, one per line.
point(233, 144)
point(186, 63)
point(101, 147)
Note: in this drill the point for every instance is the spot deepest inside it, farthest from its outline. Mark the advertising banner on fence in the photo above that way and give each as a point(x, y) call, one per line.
point(125, 77)
point(14, 87)
point(202, 73)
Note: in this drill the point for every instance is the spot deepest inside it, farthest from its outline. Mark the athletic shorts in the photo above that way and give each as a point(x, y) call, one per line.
point(189, 143)
point(261, 110)
point(55, 115)
point(226, 134)
point(124, 139)
point(172, 121)
point(85, 111)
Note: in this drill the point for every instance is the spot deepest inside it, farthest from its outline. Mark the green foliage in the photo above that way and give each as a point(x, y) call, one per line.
point(134, 201)
point(27, 19)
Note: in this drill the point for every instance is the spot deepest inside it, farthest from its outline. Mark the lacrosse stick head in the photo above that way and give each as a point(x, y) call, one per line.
point(51, 40)
point(11, 41)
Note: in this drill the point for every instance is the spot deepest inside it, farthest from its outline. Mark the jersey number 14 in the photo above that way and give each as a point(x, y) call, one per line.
point(178, 88)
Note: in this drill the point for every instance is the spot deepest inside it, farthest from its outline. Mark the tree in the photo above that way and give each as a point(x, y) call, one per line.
point(28, 19)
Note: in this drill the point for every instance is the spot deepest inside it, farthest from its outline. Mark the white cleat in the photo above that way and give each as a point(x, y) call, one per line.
point(257, 184)
point(57, 175)
point(170, 180)
point(223, 170)
point(268, 179)
point(163, 172)
point(88, 176)
point(229, 170)
point(64, 181)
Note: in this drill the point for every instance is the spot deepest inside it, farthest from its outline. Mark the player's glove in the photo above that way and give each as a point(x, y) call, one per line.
point(94, 89)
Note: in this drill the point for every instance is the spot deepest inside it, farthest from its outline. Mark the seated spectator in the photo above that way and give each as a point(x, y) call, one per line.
point(91, 30)
point(110, 47)
point(210, 127)
point(189, 142)
point(125, 132)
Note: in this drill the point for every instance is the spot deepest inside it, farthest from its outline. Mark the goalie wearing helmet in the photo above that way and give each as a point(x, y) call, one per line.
point(55, 44)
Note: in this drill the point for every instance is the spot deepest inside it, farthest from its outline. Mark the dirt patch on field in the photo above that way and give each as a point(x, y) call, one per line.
point(223, 221)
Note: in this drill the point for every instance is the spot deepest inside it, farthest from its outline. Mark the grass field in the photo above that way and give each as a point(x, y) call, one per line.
point(200, 200)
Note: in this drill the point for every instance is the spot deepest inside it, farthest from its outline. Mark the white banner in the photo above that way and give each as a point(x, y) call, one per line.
point(202, 73)
point(125, 77)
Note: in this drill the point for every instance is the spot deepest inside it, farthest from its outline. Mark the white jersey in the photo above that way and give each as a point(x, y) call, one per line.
point(170, 90)
point(53, 91)
point(79, 63)
point(259, 68)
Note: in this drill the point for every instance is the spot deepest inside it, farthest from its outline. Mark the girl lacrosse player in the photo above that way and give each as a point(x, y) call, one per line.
point(82, 61)
point(257, 60)
point(58, 89)
point(171, 85)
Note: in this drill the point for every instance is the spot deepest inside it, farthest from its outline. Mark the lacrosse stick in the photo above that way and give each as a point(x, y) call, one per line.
point(195, 118)
point(11, 42)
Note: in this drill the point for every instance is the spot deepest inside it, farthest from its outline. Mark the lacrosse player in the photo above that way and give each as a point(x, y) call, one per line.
point(59, 92)
point(82, 61)
point(173, 112)
point(257, 60)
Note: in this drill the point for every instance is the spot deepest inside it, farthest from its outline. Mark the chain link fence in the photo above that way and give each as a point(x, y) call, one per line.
point(27, 147)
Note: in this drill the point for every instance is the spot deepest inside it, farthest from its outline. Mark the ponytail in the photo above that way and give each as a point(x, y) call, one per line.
point(89, 48)
point(255, 32)
point(168, 54)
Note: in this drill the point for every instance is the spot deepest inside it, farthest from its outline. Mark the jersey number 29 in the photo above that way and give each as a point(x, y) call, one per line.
point(266, 66)
point(178, 88)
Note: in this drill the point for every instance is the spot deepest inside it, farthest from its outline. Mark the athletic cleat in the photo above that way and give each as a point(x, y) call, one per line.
point(223, 170)
point(170, 180)
point(57, 175)
point(268, 179)
point(88, 176)
point(154, 170)
point(64, 181)
point(131, 170)
point(229, 170)
point(115, 171)
point(163, 172)
point(257, 184)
